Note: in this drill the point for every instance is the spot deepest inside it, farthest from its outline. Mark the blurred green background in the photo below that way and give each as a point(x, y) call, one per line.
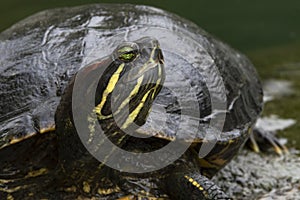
point(268, 31)
point(244, 24)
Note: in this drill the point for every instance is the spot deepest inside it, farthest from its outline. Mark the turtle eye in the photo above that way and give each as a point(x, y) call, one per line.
point(127, 53)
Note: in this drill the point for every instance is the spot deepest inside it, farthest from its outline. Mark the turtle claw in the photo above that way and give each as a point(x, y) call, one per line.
point(252, 144)
point(261, 140)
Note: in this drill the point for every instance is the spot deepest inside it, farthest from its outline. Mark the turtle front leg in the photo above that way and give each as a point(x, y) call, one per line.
point(193, 186)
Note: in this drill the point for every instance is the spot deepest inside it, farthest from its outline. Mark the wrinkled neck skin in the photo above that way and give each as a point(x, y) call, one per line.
point(76, 164)
point(77, 167)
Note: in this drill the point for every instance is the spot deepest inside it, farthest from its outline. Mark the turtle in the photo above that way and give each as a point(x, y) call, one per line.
point(80, 83)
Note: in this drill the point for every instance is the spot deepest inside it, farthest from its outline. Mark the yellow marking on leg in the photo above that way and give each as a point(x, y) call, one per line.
point(194, 183)
point(108, 191)
point(70, 189)
point(9, 197)
point(86, 187)
point(4, 181)
point(130, 197)
point(11, 190)
point(37, 173)
point(30, 194)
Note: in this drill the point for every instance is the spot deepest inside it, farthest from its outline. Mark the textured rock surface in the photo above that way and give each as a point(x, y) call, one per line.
point(261, 176)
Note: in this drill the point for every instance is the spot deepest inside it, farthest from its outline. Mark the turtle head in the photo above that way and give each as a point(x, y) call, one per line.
point(130, 83)
point(115, 92)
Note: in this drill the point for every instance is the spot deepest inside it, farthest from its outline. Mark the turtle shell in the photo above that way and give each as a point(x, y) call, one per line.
point(42, 52)
point(209, 87)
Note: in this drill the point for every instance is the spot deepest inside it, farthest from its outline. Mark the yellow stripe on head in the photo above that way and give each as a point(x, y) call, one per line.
point(132, 93)
point(132, 116)
point(111, 85)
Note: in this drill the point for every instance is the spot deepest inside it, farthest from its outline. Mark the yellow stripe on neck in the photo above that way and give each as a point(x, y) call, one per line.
point(135, 112)
point(133, 92)
point(111, 85)
point(132, 116)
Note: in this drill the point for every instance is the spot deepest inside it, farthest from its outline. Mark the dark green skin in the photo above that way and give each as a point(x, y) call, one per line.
point(39, 57)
